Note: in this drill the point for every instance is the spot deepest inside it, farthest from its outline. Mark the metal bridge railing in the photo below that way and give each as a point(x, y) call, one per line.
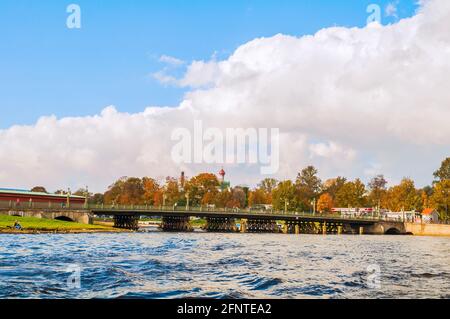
point(154, 209)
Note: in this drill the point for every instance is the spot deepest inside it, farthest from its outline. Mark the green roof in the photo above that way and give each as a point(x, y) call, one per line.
point(29, 193)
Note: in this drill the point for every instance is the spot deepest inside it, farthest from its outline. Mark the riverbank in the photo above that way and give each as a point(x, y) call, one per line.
point(438, 230)
point(32, 225)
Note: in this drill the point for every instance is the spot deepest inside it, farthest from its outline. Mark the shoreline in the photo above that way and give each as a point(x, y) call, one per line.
point(117, 230)
point(65, 231)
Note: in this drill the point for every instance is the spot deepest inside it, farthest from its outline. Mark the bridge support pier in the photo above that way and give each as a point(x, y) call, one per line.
point(126, 221)
point(176, 223)
point(220, 224)
point(262, 226)
point(305, 227)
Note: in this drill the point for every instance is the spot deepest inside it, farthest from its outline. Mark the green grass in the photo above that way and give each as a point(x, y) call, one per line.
point(32, 223)
point(198, 222)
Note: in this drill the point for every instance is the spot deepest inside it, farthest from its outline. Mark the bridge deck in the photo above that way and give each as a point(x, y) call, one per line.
point(150, 211)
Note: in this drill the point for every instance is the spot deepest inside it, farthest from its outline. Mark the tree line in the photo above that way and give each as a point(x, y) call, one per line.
point(305, 193)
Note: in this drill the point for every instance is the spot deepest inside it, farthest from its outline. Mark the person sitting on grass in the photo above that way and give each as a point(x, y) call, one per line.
point(17, 225)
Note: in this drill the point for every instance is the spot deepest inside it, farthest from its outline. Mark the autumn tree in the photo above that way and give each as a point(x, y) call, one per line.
point(200, 185)
point(258, 197)
point(403, 196)
point(125, 191)
point(285, 194)
point(222, 198)
point(308, 187)
point(208, 199)
point(238, 197)
point(172, 193)
point(325, 203)
point(151, 191)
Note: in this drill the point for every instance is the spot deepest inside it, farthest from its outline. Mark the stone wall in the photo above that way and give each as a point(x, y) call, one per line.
point(81, 217)
point(428, 229)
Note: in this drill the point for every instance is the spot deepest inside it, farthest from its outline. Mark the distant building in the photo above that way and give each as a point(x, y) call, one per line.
point(353, 212)
point(409, 216)
point(21, 197)
point(430, 216)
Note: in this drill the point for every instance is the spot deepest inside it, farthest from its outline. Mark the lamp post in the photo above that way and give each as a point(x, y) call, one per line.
point(286, 203)
point(68, 197)
point(187, 200)
point(86, 199)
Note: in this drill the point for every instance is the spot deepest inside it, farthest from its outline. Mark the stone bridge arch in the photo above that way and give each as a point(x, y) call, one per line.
point(64, 218)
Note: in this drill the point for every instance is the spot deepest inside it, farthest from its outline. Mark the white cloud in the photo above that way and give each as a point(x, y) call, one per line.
point(163, 78)
point(391, 9)
point(171, 60)
point(332, 150)
point(342, 98)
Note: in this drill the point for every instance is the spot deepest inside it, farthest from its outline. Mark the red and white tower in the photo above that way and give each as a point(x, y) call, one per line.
point(222, 175)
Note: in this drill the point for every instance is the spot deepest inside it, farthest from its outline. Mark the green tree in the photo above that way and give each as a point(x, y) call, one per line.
point(82, 192)
point(268, 185)
point(96, 199)
point(351, 194)
point(308, 187)
point(377, 190)
point(443, 172)
point(285, 194)
point(332, 186)
point(440, 199)
point(39, 189)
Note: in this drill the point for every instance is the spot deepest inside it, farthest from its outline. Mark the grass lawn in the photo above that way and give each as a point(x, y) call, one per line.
point(198, 222)
point(42, 224)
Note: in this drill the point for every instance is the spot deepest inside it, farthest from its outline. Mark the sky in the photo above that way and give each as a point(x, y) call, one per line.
point(47, 68)
point(86, 106)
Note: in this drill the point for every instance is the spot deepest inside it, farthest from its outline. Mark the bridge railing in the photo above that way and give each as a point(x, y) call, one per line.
point(155, 209)
point(182, 209)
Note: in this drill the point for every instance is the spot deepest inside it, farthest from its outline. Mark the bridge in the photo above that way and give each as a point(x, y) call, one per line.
point(217, 220)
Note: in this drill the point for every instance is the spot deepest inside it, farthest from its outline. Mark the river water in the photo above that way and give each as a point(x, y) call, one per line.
point(184, 265)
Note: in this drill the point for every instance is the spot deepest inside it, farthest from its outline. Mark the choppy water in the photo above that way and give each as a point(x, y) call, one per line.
point(179, 265)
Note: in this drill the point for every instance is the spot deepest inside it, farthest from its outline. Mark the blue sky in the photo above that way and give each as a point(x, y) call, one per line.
point(47, 68)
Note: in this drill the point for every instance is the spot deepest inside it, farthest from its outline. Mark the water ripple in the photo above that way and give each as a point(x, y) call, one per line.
point(204, 265)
